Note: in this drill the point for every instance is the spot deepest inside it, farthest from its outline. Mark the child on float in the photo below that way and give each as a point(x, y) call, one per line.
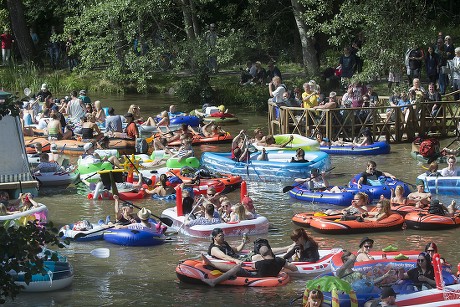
point(397, 196)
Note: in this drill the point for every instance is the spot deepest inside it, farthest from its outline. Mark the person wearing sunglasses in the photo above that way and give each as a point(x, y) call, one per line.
point(346, 273)
point(423, 275)
point(365, 246)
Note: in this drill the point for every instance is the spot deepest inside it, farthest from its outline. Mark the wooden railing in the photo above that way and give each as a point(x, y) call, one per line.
point(390, 123)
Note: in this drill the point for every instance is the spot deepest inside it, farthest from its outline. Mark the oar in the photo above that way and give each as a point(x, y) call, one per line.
point(98, 252)
point(147, 181)
point(95, 173)
point(188, 215)
point(82, 235)
point(290, 187)
point(165, 221)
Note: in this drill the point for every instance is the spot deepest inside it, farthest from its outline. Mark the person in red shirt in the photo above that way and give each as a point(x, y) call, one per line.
point(131, 129)
point(7, 43)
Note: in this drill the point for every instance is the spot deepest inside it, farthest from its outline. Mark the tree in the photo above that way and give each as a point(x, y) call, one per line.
point(20, 247)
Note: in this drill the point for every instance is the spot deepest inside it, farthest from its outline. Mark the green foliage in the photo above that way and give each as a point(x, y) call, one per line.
point(21, 245)
point(8, 107)
point(196, 90)
point(255, 97)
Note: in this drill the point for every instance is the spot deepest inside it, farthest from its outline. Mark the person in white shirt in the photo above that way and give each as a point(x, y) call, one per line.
point(451, 169)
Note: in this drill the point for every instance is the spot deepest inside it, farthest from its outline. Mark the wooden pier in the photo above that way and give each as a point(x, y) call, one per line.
point(386, 122)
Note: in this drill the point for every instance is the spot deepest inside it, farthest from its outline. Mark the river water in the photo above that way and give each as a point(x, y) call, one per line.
point(141, 276)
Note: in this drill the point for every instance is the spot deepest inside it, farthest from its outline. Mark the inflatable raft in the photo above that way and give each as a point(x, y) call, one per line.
point(133, 237)
point(193, 271)
point(39, 213)
point(58, 275)
point(299, 141)
point(379, 187)
point(441, 185)
point(422, 220)
point(77, 232)
point(31, 141)
point(417, 156)
point(378, 148)
point(277, 168)
point(216, 115)
point(54, 179)
point(198, 139)
point(256, 226)
point(393, 222)
point(344, 198)
point(304, 219)
point(231, 182)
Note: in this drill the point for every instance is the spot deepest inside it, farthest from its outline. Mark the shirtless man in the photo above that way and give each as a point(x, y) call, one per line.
point(420, 197)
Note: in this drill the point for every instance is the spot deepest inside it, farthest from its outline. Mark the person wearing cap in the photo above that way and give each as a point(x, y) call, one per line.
point(309, 96)
point(82, 96)
point(249, 206)
point(220, 249)
point(387, 299)
point(365, 246)
point(266, 265)
point(144, 224)
point(43, 93)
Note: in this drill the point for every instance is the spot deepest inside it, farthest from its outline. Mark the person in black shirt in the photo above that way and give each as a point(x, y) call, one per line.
point(372, 173)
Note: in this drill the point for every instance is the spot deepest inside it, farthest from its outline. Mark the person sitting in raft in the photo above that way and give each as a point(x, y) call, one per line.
point(269, 141)
point(433, 169)
point(135, 110)
point(383, 211)
point(240, 147)
point(299, 156)
point(11, 205)
point(317, 180)
point(27, 202)
point(448, 151)
point(163, 189)
point(225, 210)
point(397, 196)
point(131, 130)
point(358, 206)
point(346, 273)
point(387, 299)
point(4, 211)
point(248, 203)
point(322, 141)
point(90, 130)
point(315, 298)
point(238, 214)
point(438, 208)
point(451, 169)
point(124, 214)
point(266, 266)
point(220, 249)
point(207, 219)
point(91, 156)
point(144, 224)
point(423, 275)
point(363, 252)
point(372, 173)
point(211, 129)
point(420, 198)
point(258, 135)
point(45, 166)
point(431, 248)
point(185, 150)
point(303, 248)
point(368, 139)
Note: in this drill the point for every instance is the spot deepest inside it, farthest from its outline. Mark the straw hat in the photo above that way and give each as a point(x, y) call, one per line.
point(144, 214)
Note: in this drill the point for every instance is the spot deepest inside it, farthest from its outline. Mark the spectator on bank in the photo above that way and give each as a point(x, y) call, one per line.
point(276, 89)
point(455, 67)
point(34, 37)
point(273, 71)
point(413, 61)
point(432, 65)
point(211, 40)
point(261, 74)
point(54, 48)
point(433, 95)
point(309, 96)
point(440, 51)
point(7, 45)
point(347, 64)
point(331, 103)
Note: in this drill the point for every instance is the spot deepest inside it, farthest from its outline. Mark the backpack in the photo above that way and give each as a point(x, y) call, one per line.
point(258, 243)
point(429, 148)
point(436, 210)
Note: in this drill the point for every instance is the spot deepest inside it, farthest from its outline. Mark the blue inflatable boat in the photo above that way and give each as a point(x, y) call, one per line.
point(344, 198)
point(377, 148)
point(278, 167)
point(440, 185)
point(133, 237)
point(379, 187)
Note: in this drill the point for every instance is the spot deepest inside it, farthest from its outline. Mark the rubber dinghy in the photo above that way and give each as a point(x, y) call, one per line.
point(278, 167)
point(193, 271)
point(382, 186)
point(378, 148)
point(299, 141)
point(343, 198)
point(441, 185)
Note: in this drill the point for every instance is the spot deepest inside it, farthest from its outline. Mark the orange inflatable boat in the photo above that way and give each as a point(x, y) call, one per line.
point(231, 182)
point(423, 220)
point(393, 222)
point(193, 271)
point(304, 219)
point(31, 141)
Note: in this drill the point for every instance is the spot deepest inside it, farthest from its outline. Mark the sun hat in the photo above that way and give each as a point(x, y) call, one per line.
point(44, 86)
point(87, 146)
point(387, 291)
point(53, 148)
point(364, 240)
point(144, 214)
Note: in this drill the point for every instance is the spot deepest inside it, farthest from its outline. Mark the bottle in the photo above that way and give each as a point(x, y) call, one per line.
point(245, 237)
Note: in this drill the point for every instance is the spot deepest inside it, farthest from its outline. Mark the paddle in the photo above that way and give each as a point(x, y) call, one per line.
point(147, 181)
point(290, 187)
point(188, 215)
point(98, 253)
point(165, 221)
point(95, 173)
point(82, 235)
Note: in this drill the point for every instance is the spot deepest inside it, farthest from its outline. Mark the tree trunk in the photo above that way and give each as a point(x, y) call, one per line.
point(196, 24)
point(21, 33)
point(310, 60)
point(188, 23)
